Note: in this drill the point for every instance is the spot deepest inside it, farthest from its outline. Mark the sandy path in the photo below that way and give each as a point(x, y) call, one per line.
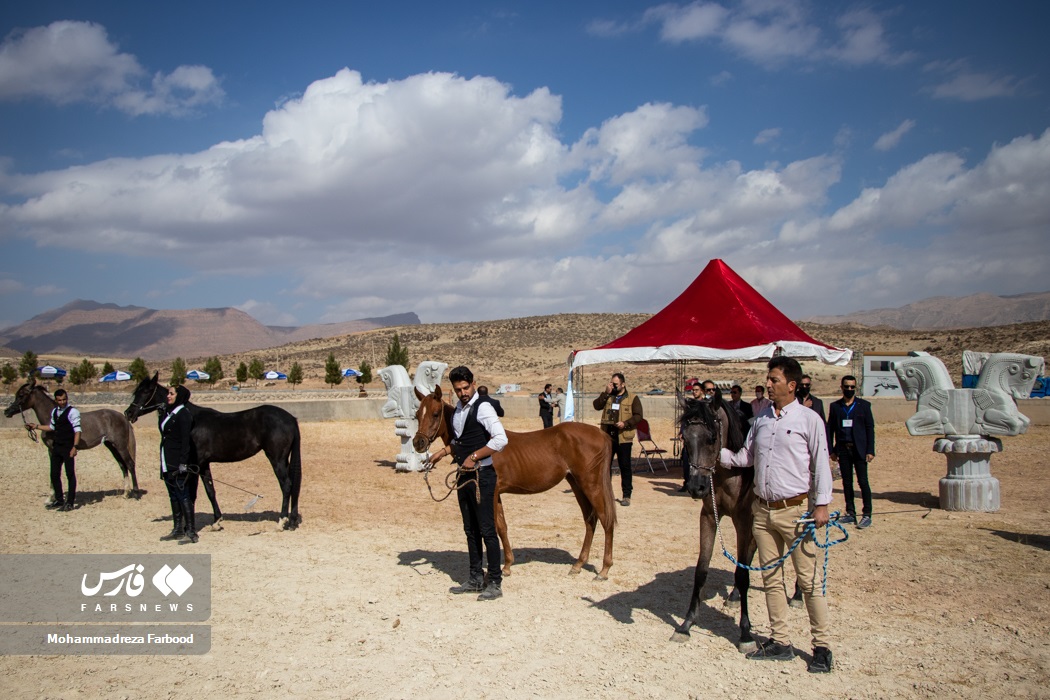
point(355, 603)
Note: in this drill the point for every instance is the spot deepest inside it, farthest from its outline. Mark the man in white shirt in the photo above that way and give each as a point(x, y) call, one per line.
point(477, 435)
point(788, 447)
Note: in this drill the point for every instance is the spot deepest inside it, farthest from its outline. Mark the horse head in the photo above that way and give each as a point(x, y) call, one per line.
point(920, 374)
point(1011, 373)
point(430, 417)
point(22, 398)
point(148, 396)
point(701, 439)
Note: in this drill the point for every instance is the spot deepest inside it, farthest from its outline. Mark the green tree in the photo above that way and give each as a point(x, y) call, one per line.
point(366, 373)
point(82, 373)
point(28, 363)
point(256, 370)
point(295, 374)
point(138, 370)
point(395, 354)
point(178, 372)
point(9, 373)
point(332, 374)
point(107, 368)
point(242, 373)
point(214, 368)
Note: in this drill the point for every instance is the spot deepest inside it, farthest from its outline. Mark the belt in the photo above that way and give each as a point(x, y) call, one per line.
point(786, 502)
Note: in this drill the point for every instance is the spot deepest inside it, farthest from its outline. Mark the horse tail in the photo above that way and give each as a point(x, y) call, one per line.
point(604, 468)
point(295, 463)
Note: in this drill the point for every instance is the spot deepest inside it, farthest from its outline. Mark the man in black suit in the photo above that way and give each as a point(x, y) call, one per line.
point(807, 399)
point(743, 408)
point(851, 442)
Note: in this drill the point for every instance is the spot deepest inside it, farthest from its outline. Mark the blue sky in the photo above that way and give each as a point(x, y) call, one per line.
point(472, 161)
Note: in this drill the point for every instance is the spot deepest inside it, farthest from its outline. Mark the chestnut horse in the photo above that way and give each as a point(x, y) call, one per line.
point(705, 430)
point(536, 462)
point(100, 427)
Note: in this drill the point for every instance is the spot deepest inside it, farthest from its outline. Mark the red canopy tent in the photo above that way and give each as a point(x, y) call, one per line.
point(719, 317)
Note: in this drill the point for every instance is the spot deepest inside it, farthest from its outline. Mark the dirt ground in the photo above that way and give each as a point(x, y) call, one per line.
point(355, 602)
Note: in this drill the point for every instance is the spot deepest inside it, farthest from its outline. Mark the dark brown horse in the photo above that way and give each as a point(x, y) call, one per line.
point(536, 462)
point(100, 427)
point(232, 437)
point(705, 430)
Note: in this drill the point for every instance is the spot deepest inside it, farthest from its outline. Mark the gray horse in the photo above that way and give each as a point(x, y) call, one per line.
point(100, 427)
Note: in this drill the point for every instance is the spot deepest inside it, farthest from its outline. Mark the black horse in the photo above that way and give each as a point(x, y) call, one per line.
point(705, 430)
point(232, 437)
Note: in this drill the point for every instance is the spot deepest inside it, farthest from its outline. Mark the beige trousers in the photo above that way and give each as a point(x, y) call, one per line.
point(775, 530)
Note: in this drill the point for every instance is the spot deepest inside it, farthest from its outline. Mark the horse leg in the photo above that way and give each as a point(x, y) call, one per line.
point(284, 479)
point(209, 488)
point(501, 530)
point(590, 517)
point(796, 601)
point(122, 463)
point(707, 544)
point(745, 552)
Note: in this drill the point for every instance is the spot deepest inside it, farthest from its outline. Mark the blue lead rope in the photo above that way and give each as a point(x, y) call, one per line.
point(810, 530)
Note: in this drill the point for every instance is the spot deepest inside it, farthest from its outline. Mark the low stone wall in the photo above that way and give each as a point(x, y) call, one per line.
point(317, 406)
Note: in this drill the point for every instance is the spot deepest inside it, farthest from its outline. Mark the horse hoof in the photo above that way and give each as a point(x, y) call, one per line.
point(796, 603)
point(216, 526)
point(747, 647)
point(730, 603)
point(599, 577)
point(680, 637)
point(574, 571)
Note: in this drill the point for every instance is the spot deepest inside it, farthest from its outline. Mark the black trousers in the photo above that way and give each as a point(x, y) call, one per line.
point(548, 419)
point(622, 452)
point(182, 493)
point(479, 522)
point(60, 458)
point(849, 463)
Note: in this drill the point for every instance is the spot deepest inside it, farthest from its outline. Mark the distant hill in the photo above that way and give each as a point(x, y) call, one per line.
point(89, 328)
point(975, 311)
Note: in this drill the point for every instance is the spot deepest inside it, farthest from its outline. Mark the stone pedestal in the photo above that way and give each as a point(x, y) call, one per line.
point(407, 460)
point(969, 484)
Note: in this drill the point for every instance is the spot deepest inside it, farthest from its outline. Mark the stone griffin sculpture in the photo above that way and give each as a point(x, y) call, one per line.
point(402, 404)
point(968, 418)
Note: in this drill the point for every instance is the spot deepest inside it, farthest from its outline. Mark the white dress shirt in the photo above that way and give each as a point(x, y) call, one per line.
point(489, 420)
point(790, 455)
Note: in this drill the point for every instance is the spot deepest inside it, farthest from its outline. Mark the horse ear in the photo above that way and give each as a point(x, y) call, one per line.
point(419, 394)
point(437, 392)
point(682, 401)
point(155, 376)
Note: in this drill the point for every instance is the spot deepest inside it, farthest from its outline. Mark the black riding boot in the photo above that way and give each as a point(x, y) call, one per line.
point(189, 522)
point(176, 526)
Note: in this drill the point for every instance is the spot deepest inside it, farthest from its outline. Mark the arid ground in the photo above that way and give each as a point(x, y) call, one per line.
point(355, 603)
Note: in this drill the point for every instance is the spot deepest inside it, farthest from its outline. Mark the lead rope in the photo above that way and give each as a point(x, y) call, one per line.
point(32, 432)
point(810, 529)
point(452, 484)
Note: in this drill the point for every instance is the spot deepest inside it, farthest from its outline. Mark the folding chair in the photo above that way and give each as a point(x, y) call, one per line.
point(648, 447)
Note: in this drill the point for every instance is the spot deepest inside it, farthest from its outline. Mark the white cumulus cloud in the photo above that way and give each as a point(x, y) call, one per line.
point(68, 61)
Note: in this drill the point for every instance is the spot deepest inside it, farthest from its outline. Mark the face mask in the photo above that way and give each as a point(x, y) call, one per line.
point(803, 391)
point(849, 392)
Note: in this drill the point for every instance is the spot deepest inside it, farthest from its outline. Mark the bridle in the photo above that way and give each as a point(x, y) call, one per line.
point(140, 409)
point(436, 434)
point(709, 471)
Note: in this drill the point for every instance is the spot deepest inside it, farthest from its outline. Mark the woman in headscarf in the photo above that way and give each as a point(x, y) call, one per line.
point(178, 466)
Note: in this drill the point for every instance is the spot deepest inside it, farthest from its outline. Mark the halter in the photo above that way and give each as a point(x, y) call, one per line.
point(141, 409)
point(22, 412)
point(431, 438)
point(710, 471)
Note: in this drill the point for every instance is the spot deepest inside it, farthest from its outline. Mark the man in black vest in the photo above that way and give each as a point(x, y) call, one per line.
point(477, 435)
point(65, 429)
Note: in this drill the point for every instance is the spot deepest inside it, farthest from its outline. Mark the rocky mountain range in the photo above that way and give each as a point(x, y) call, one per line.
point(90, 328)
point(972, 311)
